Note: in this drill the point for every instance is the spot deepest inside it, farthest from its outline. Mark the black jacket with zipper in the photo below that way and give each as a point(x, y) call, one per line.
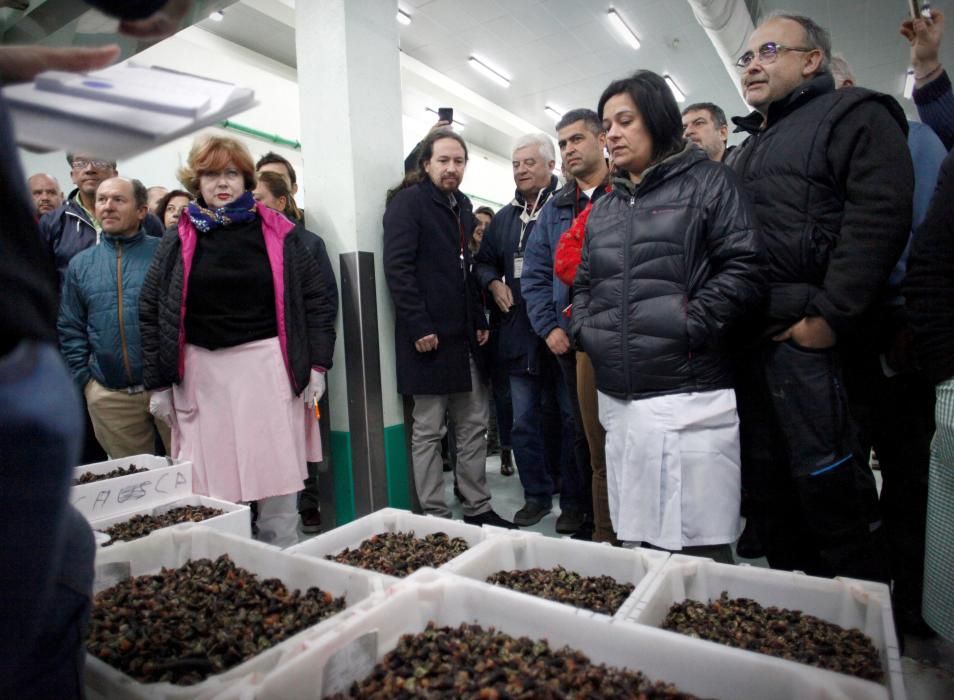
point(830, 182)
point(427, 264)
point(517, 344)
point(668, 266)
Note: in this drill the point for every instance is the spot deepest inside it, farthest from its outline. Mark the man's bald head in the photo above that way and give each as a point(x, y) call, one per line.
point(46, 192)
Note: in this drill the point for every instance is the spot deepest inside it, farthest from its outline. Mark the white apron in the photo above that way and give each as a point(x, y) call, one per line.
point(673, 468)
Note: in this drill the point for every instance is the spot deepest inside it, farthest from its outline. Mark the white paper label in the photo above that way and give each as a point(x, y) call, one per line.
point(517, 266)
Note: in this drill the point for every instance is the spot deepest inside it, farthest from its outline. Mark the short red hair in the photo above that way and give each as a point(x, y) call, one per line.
point(213, 154)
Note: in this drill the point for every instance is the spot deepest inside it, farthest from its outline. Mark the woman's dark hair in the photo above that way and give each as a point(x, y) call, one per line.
point(484, 210)
point(656, 106)
point(278, 186)
point(164, 202)
point(425, 151)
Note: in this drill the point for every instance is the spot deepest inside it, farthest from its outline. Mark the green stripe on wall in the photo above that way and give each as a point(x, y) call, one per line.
point(341, 474)
point(395, 457)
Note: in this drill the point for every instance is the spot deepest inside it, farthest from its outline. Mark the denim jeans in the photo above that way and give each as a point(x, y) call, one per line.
point(500, 386)
point(529, 392)
point(812, 488)
point(46, 547)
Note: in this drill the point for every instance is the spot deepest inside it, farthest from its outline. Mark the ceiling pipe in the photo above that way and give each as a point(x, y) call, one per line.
point(259, 134)
point(728, 24)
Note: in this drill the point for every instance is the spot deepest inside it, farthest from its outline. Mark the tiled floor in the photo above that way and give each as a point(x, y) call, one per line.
point(928, 665)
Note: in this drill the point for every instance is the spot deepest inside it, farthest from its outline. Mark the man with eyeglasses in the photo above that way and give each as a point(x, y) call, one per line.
point(73, 226)
point(830, 179)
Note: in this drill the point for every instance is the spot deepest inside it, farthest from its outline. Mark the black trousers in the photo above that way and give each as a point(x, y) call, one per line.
point(897, 419)
point(811, 492)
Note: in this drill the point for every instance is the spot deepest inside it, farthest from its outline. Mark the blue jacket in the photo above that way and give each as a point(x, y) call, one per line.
point(508, 234)
point(67, 230)
point(927, 154)
point(935, 103)
point(99, 311)
point(545, 294)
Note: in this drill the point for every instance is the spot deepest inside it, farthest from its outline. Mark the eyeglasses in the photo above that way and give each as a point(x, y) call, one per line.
point(231, 174)
point(768, 52)
point(81, 164)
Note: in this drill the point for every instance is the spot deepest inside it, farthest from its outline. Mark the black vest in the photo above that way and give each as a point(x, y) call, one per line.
point(797, 203)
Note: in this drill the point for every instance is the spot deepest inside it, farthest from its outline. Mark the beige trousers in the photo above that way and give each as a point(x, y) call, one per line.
point(122, 422)
point(596, 438)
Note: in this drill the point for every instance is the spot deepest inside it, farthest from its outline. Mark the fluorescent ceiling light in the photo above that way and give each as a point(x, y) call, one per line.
point(431, 109)
point(488, 72)
point(403, 18)
point(909, 84)
point(555, 113)
point(676, 92)
point(628, 35)
point(217, 16)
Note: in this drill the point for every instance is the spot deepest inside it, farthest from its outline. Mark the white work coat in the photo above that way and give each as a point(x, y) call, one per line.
point(673, 468)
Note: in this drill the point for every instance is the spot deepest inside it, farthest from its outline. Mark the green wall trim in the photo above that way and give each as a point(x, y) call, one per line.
point(343, 479)
point(395, 457)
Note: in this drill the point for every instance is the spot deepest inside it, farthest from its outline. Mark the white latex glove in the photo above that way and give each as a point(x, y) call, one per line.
point(160, 405)
point(315, 389)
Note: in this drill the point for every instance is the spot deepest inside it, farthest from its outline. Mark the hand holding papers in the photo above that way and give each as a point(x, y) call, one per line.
point(119, 111)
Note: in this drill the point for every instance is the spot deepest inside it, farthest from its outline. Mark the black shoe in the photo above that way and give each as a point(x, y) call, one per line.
point(310, 520)
point(506, 462)
point(585, 533)
point(749, 546)
point(489, 517)
point(569, 521)
point(531, 513)
point(910, 621)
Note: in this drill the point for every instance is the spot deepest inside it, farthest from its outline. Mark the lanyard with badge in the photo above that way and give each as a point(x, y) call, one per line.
point(527, 217)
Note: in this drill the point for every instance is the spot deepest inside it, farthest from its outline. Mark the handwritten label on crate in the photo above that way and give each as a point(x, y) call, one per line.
point(125, 494)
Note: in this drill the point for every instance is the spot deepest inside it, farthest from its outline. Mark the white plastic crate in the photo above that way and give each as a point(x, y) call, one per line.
point(347, 653)
point(235, 520)
point(173, 547)
point(380, 521)
point(122, 494)
point(530, 550)
point(863, 605)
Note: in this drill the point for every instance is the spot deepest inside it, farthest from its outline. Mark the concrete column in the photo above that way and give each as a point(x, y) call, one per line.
point(350, 91)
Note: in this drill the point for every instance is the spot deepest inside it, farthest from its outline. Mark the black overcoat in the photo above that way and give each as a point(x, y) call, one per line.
point(427, 265)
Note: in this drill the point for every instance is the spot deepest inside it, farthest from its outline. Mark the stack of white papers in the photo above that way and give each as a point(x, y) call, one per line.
point(119, 111)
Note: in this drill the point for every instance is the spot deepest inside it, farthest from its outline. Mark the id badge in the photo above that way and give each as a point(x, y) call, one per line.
point(517, 266)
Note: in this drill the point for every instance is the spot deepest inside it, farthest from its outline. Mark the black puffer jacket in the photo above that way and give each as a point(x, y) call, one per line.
point(668, 266)
point(304, 309)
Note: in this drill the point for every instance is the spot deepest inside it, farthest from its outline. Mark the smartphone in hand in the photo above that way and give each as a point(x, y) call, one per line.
point(446, 114)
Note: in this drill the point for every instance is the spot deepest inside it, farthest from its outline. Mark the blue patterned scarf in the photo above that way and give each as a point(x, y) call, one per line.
point(240, 211)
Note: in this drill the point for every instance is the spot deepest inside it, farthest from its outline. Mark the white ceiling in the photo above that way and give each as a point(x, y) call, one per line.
point(564, 52)
point(557, 52)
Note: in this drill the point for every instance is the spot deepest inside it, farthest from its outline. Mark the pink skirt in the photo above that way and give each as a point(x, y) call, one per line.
point(247, 434)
